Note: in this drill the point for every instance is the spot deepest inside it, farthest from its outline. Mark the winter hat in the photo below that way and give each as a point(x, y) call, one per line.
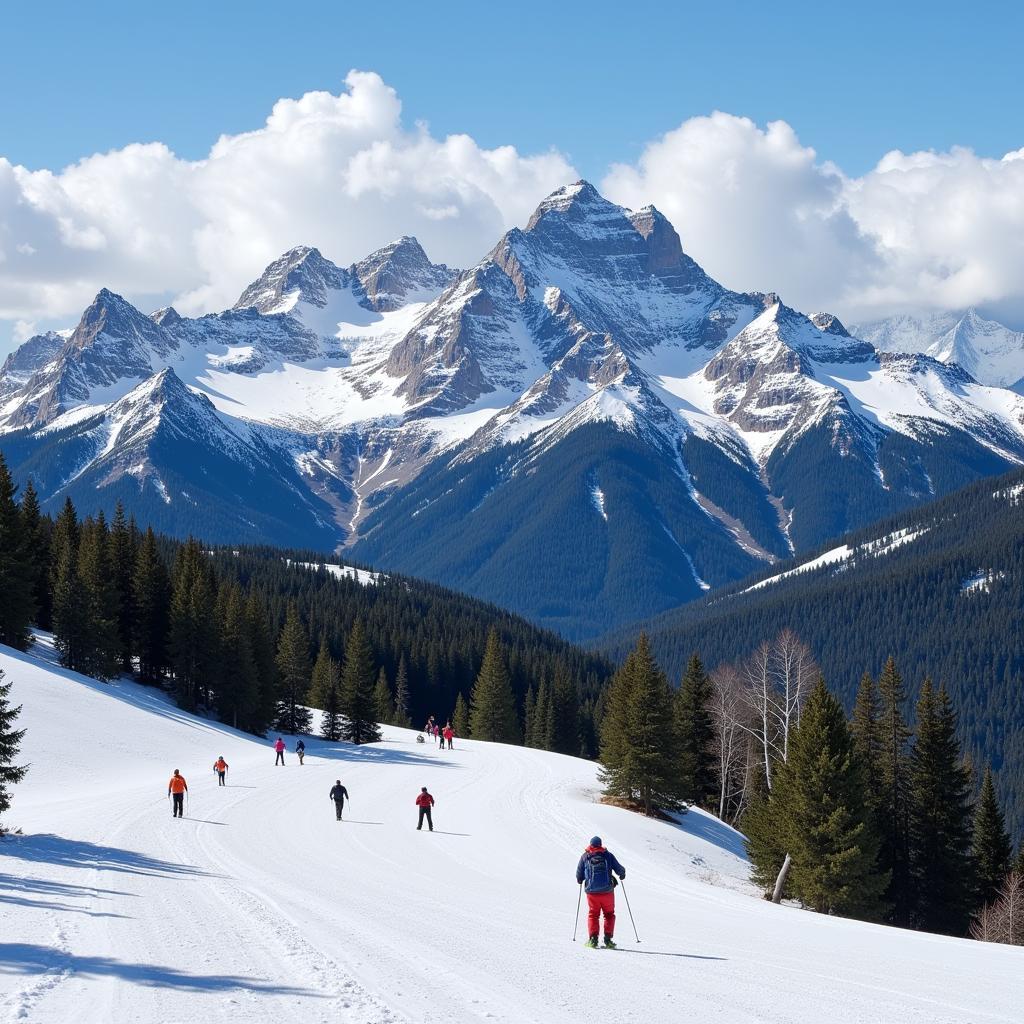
point(424, 789)
point(596, 841)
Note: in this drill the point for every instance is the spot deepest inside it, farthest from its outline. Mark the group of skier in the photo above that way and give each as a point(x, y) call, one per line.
point(440, 734)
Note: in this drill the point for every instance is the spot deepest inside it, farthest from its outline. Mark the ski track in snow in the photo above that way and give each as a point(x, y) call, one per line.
point(260, 906)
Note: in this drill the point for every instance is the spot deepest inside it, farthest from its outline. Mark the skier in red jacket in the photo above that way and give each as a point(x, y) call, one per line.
point(424, 802)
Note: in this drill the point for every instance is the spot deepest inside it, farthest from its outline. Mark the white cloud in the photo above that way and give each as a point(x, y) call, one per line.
point(760, 211)
point(340, 172)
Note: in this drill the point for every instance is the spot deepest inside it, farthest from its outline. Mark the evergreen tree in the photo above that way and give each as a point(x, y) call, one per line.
point(238, 681)
point(123, 549)
point(819, 806)
point(940, 820)
point(894, 792)
point(492, 708)
point(262, 645)
point(460, 720)
point(696, 735)
point(529, 709)
point(382, 699)
point(102, 648)
point(36, 530)
point(325, 692)
point(865, 727)
point(70, 621)
point(543, 725)
point(358, 696)
point(17, 571)
point(992, 850)
point(193, 635)
point(151, 590)
point(402, 717)
point(565, 710)
point(10, 741)
point(640, 746)
point(64, 539)
point(294, 672)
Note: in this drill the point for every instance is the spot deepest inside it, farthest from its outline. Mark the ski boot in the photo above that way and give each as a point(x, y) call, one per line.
point(592, 942)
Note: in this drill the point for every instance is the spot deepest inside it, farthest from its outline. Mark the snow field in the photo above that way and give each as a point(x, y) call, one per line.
point(259, 905)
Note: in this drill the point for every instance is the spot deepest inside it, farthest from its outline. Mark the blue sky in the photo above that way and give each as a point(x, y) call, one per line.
point(597, 80)
point(467, 114)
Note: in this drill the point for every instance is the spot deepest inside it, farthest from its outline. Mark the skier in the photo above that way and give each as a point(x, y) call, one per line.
point(448, 734)
point(280, 748)
point(176, 790)
point(300, 749)
point(424, 802)
point(220, 766)
point(437, 734)
point(339, 794)
point(595, 873)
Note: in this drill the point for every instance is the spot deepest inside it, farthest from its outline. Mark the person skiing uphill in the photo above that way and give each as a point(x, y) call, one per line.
point(280, 748)
point(339, 794)
point(176, 790)
point(220, 766)
point(448, 734)
point(300, 749)
point(595, 873)
point(424, 802)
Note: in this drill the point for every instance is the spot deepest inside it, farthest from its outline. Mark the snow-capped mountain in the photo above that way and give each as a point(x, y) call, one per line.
point(988, 350)
point(584, 426)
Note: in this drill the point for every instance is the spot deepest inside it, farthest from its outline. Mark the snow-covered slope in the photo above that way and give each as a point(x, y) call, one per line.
point(259, 905)
point(988, 350)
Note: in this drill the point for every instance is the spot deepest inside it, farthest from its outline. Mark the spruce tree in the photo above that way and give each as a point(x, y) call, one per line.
point(940, 820)
point(238, 683)
point(696, 735)
point(492, 707)
point(820, 809)
point(543, 726)
point(10, 741)
point(294, 673)
point(992, 850)
point(529, 710)
point(894, 792)
point(70, 621)
point(402, 718)
point(193, 641)
point(382, 699)
point(17, 571)
point(460, 720)
point(151, 595)
point(37, 530)
point(565, 709)
point(325, 692)
point(123, 547)
point(103, 646)
point(264, 658)
point(640, 746)
point(64, 538)
point(358, 689)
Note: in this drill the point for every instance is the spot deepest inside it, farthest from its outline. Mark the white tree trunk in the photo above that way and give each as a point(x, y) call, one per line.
point(780, 882)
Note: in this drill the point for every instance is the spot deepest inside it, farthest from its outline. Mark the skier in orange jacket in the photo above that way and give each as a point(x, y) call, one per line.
point(220, 766)
point(176, 790)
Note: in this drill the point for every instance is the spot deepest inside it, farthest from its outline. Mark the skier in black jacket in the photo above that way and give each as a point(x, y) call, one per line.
point(339, 794)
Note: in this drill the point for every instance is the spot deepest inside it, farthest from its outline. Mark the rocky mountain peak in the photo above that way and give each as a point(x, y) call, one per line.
point(400, 272)
point(301, 275)
point(166, 317)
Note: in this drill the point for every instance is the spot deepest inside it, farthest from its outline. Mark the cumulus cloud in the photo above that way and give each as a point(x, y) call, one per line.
point(759, 210)
point(338, 171)
point(754, 204)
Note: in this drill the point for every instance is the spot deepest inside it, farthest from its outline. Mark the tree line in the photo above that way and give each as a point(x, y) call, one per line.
point(872, 816)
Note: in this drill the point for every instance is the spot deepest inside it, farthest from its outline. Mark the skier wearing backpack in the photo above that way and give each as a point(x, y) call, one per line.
point(280, 748)
point(176, 790)
point(424, 802)
point(339, 794)
point(220, 766)
point(300, 749)
point(596, 873)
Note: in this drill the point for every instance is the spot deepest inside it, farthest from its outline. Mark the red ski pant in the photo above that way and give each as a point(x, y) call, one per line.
point(601, 902)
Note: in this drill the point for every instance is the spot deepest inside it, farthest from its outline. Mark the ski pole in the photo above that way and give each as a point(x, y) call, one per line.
point(576, 923)
point(631, 921)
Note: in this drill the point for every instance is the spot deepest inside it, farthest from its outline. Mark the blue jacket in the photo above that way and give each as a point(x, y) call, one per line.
point(595, 869)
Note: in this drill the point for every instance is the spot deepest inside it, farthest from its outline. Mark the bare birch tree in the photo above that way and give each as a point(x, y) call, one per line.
point(1003, 919)
point(729, 712)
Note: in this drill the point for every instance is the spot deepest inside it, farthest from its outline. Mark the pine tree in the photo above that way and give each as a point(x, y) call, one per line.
point(151, 594)
point(696, 735)
point(992, 850)
point(294, 673)
point(383, 701)
point(542, 726)
point(192, 634)
point(358, 686)
point(401, 717)
point(894, 792)
point(123, 549)
point(940, 820)
point(17, 571)
point(325, 692)
point(264, 657)
point(640, 747)
point(103, 648)
point(529, 708)
point(10, 741)
point(819, 806)
point(36, 530)
point(460, 720)
point(492, 708)
point(865, 727)
point(565, 708)
point(238, 681)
